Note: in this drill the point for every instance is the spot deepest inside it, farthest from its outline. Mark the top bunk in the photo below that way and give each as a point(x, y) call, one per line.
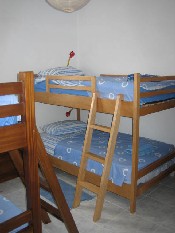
point(16, 113)
point(144, 94)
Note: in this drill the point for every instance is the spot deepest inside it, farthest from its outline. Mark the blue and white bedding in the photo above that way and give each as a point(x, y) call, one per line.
point(6, 100)
point(64, 127)
point(9, 210)
point(110, 87)
point(69, 148)
point(65, 70)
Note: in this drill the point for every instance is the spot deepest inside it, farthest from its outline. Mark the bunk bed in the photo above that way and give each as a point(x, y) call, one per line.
point(17, 134)
point(142, 101)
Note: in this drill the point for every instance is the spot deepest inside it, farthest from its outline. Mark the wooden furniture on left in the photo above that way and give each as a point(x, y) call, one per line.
point(23, 139)
point(21, 136)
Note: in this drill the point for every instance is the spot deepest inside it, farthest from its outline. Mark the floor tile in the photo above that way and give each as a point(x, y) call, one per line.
point(156, 212)
point(163, 230)
point(169, 181)
point(130, 223)
point(164, 194)
point(11, 185)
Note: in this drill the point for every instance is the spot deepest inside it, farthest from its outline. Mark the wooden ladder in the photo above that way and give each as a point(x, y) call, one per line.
point(107, 161)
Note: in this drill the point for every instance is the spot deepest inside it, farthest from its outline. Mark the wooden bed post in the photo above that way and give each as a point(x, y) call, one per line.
point(135, 142)
point(78, 114)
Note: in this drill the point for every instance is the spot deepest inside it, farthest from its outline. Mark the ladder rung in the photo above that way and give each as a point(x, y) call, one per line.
point(101, 128)
point(91, 187)
point(95, 157)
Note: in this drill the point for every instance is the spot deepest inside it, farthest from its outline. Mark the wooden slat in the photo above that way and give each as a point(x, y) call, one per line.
point(154, 165)
point(79, 88)
point(91, 79)
point(12, 137)
point(73, 78)
point(157, 78)
point(114, 75)
point(95, 157)
point(11, 88)
point(51, 209)
point(151, 108)
point(93, 188)
point(12, 110)
point(101, 128)
point(16, 221)
point(155, 93)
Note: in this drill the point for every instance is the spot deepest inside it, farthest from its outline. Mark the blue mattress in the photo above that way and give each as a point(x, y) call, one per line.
point(9, 210)
point(69, 148)
point(109, 87)
point(6, 100)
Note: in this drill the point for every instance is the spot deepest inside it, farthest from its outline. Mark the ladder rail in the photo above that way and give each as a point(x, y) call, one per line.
point(86, 148)
point(108, 159)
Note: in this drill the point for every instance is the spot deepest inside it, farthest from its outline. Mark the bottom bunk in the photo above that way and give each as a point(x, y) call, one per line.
point(64, 142)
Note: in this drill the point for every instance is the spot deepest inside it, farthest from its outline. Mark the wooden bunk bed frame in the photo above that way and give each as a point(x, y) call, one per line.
point(21, 137)
point(26, 150)
point(132, 110)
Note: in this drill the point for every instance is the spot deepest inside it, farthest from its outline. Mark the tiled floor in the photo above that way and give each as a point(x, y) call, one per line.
point(155, 210)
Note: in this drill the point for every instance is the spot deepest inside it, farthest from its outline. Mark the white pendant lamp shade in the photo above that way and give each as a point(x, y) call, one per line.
point(67, 5)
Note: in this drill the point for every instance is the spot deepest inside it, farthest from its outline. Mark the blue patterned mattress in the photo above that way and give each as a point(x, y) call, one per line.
point(5, 100)
point(68, 147)
point(110, 87)
point(9, 210)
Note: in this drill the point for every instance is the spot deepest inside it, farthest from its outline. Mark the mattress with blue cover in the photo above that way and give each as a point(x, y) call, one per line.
point(68, 147)
point(6, 100)
point(9, 210)
point(110, 87)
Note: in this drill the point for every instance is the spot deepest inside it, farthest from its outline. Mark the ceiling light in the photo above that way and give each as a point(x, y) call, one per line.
point(67, 5)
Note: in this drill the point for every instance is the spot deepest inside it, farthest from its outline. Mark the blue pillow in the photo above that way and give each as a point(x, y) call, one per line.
point(66, 70)
point(64, 127)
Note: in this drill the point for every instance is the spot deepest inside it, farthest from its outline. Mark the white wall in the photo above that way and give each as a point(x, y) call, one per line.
point(131, 36)
point(108, 36)
point(34, 36)
point(127, 36)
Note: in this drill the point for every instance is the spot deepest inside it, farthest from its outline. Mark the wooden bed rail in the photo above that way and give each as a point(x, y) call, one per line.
point(91, 79)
